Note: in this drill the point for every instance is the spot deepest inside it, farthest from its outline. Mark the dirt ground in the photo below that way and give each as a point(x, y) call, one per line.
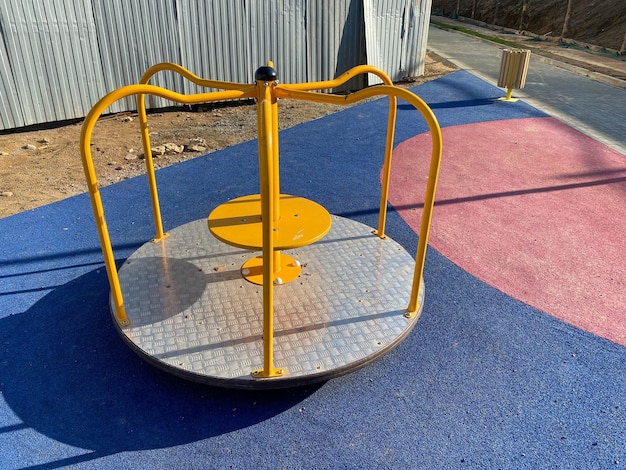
point(44, 165)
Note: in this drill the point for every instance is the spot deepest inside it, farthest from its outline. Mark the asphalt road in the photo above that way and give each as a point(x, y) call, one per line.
point(594, 108)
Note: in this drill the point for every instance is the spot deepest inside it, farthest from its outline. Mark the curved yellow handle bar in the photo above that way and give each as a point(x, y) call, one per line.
point(245, 91)
point(242, 91)
point(288, 91)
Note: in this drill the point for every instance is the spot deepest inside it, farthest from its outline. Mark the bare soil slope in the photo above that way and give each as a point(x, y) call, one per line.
point(598, 22)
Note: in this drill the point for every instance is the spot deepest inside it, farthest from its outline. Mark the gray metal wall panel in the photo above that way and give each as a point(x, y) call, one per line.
point(335, 40)
point(417, 38)
point(278, 33)
point(133, 36)
point(396, 40)
point(58, 57)
point(24, 42)
point(10, 107)
point(10, 111)
point(77, 77)
point(383, 33)
point(214, 40)
point(50, 79)
point(292, 53)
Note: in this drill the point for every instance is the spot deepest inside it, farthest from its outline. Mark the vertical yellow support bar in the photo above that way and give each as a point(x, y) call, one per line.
point(276, 172)
point(392, 91)
point(265, 77)
point(429, 202)
point(384, 195)
point(92, 182)
point(147, 152)
point(98, 209)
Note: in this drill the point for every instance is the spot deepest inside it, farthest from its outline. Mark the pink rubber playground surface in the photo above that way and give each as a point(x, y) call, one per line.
point(537, 210)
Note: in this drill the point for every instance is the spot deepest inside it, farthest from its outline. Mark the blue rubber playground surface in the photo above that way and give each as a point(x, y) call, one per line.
point(483, 380)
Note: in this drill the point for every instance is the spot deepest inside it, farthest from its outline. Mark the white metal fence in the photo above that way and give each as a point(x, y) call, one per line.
point(58, 57)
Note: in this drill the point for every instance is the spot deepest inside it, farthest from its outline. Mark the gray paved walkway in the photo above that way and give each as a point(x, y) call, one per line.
point(594, 108)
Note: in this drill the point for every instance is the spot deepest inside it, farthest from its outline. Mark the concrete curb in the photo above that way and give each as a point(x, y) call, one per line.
point(597, 76)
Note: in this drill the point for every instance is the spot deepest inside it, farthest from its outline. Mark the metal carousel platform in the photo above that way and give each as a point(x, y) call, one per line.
point(193, 314)
point(270, 291)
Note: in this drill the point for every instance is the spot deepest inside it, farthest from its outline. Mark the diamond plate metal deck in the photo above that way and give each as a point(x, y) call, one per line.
point(193, 314)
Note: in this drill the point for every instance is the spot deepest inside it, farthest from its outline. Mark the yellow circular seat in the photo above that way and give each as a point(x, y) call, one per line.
point(238, 222)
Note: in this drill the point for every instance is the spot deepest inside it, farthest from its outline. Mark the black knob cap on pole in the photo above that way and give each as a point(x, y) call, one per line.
point(266, 74)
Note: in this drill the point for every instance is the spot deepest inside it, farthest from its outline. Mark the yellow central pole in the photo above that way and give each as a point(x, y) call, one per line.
point(265, 80)
point(275, 174)
point(274, 147)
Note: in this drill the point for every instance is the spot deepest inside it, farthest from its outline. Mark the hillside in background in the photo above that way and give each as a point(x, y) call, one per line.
point(599, 22)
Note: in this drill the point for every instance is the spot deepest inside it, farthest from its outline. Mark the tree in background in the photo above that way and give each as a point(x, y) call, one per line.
point(495, 14)
point(521, 16)
point(568, 17)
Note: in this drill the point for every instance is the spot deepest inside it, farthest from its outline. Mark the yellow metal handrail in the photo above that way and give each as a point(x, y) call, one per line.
point(145, 133)
point(391, 122)
point(245, 91)
point(287, 91)
point(266, 91)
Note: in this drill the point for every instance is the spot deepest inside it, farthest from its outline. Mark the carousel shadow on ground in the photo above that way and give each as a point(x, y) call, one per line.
point(71, 378)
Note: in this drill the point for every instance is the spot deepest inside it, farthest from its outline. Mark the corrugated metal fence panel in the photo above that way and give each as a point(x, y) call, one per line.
point(51, 82)
point(278, 33)
point(334, 40)
point(58, 57)
point(375, 28)
point(214, 38)
point(416, 36)
point(133, 36)
point(230, 39)
point(291, 42)
point(24, 42)
point(395, 41)
point(10, 108)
